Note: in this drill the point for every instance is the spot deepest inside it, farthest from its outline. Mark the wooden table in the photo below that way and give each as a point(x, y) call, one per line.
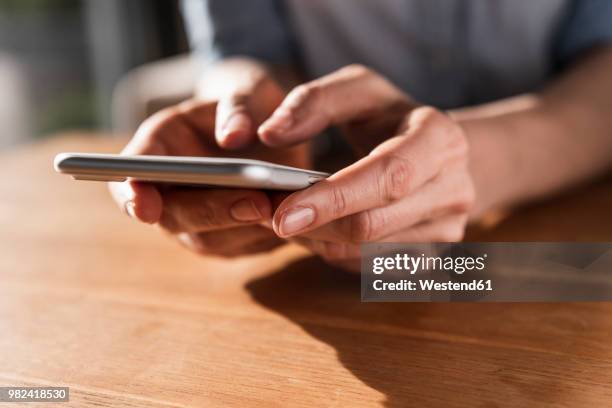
point(123, 316)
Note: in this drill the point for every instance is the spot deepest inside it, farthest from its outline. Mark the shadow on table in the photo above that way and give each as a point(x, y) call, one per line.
point(400, 349)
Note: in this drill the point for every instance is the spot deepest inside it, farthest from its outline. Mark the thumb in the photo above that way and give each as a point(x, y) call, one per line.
point(234, 127)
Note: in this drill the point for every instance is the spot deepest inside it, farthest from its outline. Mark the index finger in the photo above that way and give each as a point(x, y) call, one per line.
point(351, 93)
point(370, 182)
point(393, 170)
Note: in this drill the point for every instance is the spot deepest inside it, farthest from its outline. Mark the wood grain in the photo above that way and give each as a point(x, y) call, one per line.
point(123, 316)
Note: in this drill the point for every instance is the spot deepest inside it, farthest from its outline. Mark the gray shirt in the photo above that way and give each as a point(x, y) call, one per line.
point(447, 53)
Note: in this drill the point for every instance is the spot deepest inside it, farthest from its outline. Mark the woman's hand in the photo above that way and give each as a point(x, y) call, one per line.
point(213, 221)
point(413, 187)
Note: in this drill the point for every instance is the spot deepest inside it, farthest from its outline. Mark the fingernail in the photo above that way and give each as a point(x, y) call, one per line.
point(280, 121)
point(245, 210)
point(295, 220)
point(130, 208)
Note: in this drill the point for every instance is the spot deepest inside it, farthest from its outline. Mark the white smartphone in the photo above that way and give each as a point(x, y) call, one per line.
point(194, 171)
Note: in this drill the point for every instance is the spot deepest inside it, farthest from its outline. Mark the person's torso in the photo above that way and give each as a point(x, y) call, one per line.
point(448, 53)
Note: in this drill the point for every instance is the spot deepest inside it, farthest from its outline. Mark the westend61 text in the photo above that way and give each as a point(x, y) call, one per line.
point(432, 285)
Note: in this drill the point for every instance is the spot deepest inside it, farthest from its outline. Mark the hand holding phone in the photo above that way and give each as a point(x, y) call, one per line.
point(221, 221)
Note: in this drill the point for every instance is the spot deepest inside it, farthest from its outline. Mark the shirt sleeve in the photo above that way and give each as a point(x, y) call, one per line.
point(588, 24)
point(222, 28)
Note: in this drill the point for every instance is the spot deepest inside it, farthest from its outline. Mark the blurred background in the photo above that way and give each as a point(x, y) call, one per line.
point(72, 64)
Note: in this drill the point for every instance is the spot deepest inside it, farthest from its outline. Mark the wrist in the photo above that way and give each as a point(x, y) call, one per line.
point(509, 156)
point(496, 163)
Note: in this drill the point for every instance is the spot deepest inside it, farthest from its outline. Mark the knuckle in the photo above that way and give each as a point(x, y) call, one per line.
point(202, 216)
point(358, 70)
point(361, 227)
point(304, 99)
point(338, 202)
point(305, 93)
point(447, 135)
point(460, 207)
point(177, 215)
point(465, 199)
point(450, 132)
point(428, 115)
point(365, 227)
point(395, 180)
point(462, 204)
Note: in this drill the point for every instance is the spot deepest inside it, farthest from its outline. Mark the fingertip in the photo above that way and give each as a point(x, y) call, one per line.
point(293, 215)
point(271, 132)
point(146, 203)
point(269, 136)
point(234, 140)
point(282, 129)
point(263, 204)
point(235, 132)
